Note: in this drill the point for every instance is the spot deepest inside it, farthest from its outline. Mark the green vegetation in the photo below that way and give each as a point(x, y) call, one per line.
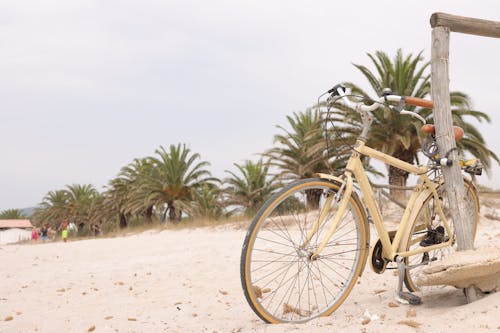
point(74, 203)
point(400, 135)
point(299, 152)
point(250, 190)
point(12, 214)
point(175, 186)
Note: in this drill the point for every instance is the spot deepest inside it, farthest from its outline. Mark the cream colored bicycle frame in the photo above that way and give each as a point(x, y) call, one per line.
point(420, 194)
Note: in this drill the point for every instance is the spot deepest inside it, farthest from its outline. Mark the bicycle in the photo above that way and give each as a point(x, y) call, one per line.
point(309, 243)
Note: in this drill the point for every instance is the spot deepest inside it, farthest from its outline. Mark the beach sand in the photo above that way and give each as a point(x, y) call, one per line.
point(188, 281)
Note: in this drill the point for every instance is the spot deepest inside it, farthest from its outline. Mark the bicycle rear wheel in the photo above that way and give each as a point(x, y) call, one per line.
point(281, 282)
point(428, 229)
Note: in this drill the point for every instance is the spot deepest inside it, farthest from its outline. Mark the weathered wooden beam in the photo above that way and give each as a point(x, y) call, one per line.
point(454, 185)
point(466, 25)
point(442, 24)
point(480, 268)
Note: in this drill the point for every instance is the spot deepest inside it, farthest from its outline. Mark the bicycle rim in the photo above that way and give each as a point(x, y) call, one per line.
point(280, 280)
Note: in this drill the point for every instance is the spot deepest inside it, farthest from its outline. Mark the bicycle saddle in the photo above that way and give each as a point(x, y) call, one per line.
point(431, 129)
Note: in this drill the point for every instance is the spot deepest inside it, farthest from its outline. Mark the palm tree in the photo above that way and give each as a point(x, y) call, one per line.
point(173, 177)
point(252, 188)
point(130, 191)
point(303, 151)
point(73, 203)
point(12, 214)
point(125, 198)
point(310, 147)
point(207, 202)
point(52, 209)
point(115, 200)
point(102, 213)
point(80, 202)
point(399, 135)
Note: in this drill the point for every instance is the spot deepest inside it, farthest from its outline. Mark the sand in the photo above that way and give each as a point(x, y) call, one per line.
point(188, 281)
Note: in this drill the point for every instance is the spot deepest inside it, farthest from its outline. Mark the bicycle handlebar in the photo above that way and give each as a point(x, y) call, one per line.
point(341, 92)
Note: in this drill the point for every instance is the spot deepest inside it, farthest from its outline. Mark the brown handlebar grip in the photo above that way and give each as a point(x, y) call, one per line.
point(425, 103)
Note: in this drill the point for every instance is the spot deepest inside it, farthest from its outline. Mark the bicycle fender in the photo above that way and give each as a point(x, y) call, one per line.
point(340, 181)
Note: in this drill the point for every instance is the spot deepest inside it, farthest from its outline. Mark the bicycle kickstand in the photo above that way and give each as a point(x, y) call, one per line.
point(404, 297)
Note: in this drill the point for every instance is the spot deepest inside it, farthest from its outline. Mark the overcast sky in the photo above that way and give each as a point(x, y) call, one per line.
point(87, 86)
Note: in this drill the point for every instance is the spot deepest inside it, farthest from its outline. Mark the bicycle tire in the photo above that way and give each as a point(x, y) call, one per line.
point(426, 221)
point(280, 281)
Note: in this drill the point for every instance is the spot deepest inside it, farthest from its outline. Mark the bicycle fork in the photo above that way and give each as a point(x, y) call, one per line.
point(342, 199)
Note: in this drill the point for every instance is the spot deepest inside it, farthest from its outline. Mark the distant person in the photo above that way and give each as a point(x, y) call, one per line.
point(34, 234)
point(64, 230)
point(45, 232)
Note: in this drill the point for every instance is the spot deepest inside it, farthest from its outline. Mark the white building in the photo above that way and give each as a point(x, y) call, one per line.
point(13, 231)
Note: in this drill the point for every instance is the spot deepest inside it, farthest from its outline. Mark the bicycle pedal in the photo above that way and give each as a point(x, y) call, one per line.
point(433, 237)
point(405, 297)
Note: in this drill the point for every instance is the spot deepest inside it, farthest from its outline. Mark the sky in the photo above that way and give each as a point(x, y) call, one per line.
point(86, 86)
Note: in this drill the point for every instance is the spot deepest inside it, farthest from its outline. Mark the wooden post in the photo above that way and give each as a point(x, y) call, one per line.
point(442, 24)
point(454, 185)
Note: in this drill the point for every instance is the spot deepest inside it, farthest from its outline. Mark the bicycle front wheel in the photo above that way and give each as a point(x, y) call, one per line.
point(280, 279)
point(427, 229)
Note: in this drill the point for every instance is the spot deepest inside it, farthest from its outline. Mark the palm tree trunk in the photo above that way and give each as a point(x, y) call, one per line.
point(148, 214)
point(123, 221)
point(174, 215)
point(313, 197)
point(398, 177)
